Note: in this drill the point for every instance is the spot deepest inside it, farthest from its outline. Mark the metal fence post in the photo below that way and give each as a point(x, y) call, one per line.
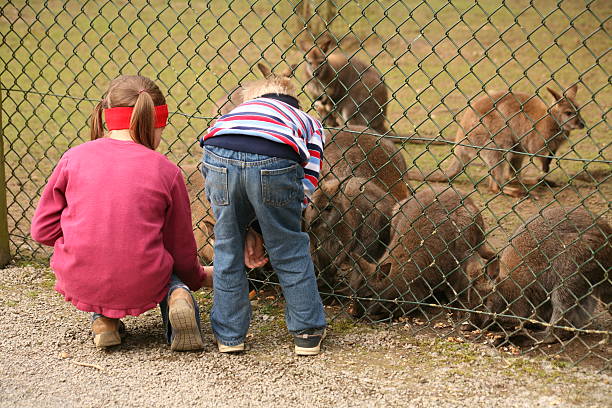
point(5, 255)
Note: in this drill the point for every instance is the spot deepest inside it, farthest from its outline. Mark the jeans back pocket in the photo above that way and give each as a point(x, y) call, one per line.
point(216, 186)
point(280, 187)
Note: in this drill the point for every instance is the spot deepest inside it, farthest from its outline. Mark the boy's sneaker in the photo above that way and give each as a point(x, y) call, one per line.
point(237, 348)
point(107, 332)
point(308, 342)
point(185, 330)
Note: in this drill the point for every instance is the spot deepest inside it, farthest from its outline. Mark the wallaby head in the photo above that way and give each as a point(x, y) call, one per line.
point(316, 55)
point(565, 110)
point(482, 296)
point(281, 83)
point(347, 220)
point(236, 96)
point(362, 293)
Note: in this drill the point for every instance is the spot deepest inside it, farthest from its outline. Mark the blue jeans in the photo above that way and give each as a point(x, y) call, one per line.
point(241, 187)
point(174, 283)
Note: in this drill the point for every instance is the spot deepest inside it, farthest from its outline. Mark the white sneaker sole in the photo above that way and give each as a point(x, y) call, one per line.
point(230, 349)
point(185, 329)
point(310, 351)
point(107, 339)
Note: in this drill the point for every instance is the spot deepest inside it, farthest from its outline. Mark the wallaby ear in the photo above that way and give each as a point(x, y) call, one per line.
point(330, 187)
point(264, 70)
point(493, 268)
point(305, 45)
point(555, 94)
point(288, 72)
point(358, 274)
point(354, 186)
point(571, 92)
point(386, 269)
point(367, 268)
point(326, 43)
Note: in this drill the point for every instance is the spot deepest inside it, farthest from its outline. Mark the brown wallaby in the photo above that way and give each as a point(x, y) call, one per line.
point(437, 242)
point(553, 268)
point(346, 86)
point(347, 90)
point(352, 153)
point(349, 217)
point(513, 123)
point(235, 97)
point(201, 214)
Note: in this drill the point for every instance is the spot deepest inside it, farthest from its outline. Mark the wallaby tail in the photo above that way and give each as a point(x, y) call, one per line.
point(437, 175)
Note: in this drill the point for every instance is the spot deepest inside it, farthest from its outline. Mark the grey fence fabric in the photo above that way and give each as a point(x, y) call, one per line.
point(466, 183)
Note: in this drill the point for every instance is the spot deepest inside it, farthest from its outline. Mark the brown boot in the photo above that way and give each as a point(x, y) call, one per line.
point(185, 331)
point(107, 332)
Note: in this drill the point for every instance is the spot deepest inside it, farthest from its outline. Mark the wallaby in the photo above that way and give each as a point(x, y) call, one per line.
point(354, 88)
point(553, 268)
point(204, 223)
point(347, 90)
point(352, 153)
point(201, 214)
point(235, 97)
point(437, 242)
point(349, 217)
point(512, 123)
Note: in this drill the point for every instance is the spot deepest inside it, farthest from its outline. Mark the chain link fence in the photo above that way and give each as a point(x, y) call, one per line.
point(466, 184)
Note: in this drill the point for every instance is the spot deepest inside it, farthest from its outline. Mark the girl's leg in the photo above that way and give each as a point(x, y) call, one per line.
point(181, 316)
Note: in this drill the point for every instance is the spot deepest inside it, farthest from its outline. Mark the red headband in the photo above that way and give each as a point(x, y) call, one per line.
point(119, 118)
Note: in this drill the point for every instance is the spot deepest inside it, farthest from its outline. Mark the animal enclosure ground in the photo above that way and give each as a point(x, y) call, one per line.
point(48, 359)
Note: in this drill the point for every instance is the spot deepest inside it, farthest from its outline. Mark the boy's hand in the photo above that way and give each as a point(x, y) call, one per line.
point(254, 251)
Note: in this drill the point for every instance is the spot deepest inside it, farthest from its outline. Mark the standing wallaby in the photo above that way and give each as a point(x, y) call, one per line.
point(437, 242)
point(510, 122)
point(352, 153)
point(235, 97)
point(348, 87)
point(350, 217)
point(553, 268)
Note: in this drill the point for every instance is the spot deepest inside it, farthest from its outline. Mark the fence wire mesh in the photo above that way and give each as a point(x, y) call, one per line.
point(431, 108)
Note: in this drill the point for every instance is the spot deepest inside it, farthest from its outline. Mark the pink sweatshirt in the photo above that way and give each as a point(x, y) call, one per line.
point(118, 217)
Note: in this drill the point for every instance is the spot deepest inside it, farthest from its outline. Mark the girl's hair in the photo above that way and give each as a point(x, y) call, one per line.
point(136, 91)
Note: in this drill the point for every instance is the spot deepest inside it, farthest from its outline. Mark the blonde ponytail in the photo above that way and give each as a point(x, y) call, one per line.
point(142, 124)
point(97, 130)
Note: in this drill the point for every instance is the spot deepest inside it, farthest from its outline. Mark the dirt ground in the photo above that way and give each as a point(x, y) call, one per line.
point(47, 359)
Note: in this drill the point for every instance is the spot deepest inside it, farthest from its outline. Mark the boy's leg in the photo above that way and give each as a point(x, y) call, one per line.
point(231, 312)
point(181, 316)
point(276, 193)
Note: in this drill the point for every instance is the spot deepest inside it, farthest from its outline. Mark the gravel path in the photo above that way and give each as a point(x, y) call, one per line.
point(47, 359)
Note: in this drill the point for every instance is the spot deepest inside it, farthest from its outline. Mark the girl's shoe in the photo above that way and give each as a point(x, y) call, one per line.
point(107, 332)
point(185, 330)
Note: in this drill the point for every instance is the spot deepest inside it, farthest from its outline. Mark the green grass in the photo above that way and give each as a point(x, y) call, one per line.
point(434, 55)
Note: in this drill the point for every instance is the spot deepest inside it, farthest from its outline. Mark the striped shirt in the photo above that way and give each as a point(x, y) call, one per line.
point(278, 122)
